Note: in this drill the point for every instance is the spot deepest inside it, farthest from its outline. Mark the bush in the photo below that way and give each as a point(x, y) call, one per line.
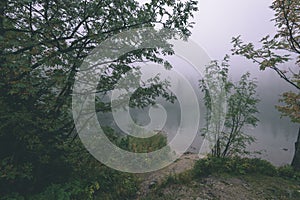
point(110, 185)
point(288, 171)
point(183, 178)
point(235, 165)
point(260, 166)
point(72, 190)
point(205, 167)
point(13, 196)
point(87, 179)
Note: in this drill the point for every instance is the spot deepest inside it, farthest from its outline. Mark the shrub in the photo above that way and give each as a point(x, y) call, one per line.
point(183, 178)
point(13, 196)
point(208, 166)
point(235, 165)
point(288, 171)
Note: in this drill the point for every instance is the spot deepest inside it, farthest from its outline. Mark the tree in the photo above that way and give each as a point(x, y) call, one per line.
point(240, 114)
point(284, 47)
point(42, 44)
point(230, 139)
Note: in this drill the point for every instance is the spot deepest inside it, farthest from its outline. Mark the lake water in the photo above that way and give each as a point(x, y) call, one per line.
point(275, 136)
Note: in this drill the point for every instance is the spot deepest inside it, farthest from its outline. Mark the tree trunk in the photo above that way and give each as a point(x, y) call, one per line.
point(296, 159)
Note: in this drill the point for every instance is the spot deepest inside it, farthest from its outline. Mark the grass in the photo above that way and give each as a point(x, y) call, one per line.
point(230, 178)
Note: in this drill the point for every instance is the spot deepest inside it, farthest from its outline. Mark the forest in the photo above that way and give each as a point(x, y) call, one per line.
point(63, 64)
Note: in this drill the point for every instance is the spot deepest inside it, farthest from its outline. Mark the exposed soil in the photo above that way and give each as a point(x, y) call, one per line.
point(223, 187)
point(149, 180)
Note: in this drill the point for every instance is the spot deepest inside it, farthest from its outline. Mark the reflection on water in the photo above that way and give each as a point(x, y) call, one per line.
point(272, 134)
point(275, 136)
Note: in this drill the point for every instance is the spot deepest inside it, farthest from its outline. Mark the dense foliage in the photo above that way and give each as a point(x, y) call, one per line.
point(42, 44)
point(242, 166)
point(234, 165)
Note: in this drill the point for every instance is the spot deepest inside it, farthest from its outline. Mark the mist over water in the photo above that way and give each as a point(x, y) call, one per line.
point(275, 136)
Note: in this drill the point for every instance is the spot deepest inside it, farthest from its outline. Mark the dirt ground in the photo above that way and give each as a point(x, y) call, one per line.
point(214, 187)
point(185, 162)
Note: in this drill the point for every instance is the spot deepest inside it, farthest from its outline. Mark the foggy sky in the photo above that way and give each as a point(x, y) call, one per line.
point(217, 21)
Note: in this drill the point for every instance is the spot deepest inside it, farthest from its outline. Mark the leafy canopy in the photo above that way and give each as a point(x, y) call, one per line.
point(283, 48)
point(42, 44)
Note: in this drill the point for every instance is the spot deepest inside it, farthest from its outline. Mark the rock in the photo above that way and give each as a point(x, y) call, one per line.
point(152, 184)
point(246, 186)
